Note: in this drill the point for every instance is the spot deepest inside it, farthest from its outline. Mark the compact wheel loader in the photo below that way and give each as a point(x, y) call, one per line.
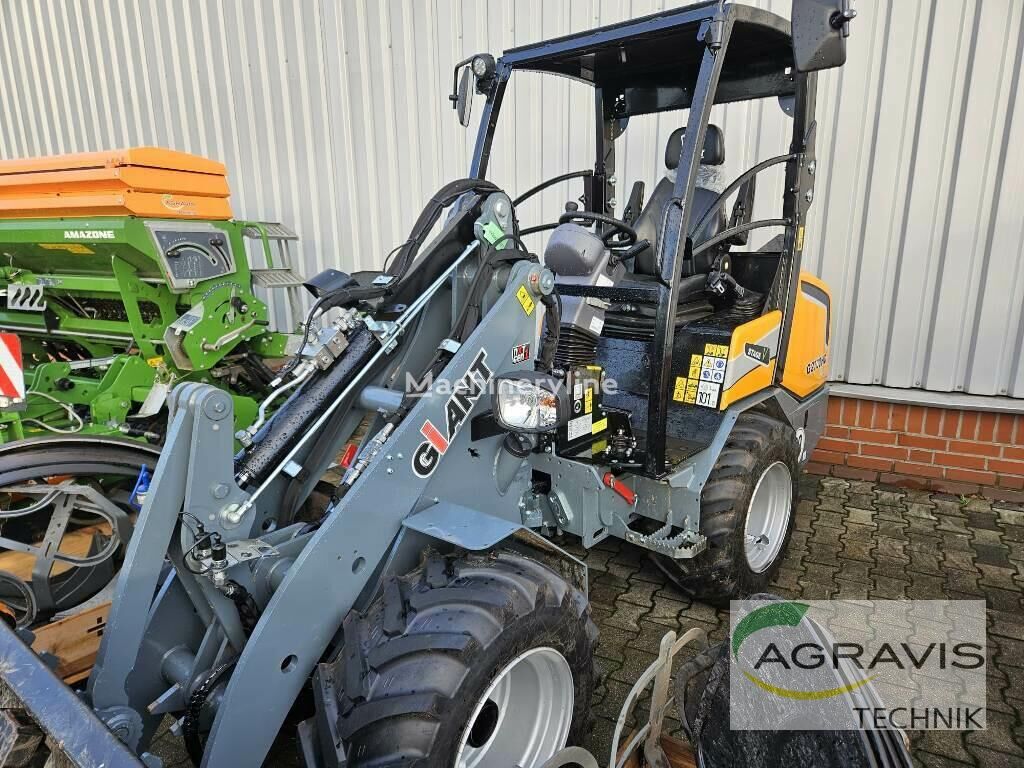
point(429, 618)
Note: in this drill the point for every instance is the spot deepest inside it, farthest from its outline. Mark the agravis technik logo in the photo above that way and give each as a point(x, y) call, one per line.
point(822, 665)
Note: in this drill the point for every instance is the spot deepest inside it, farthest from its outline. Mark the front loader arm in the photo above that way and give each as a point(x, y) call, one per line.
point(332, 570)
point(29, 688)
point(159, 653)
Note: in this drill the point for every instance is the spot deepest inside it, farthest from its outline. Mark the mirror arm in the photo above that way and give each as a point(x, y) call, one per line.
point(736, 185)
point(841, 19)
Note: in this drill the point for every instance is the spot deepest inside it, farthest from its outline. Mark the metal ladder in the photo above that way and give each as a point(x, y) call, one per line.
point(279, 273)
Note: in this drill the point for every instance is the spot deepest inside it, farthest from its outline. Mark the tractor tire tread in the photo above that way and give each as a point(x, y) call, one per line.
point(721, 572)
point(401, 689)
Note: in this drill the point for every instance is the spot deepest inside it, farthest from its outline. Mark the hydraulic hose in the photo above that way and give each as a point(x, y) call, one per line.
point(550, 183)
point(295, 417)
point(190, 725)
point(552, 327)
point(306, 404)
point(444, 197)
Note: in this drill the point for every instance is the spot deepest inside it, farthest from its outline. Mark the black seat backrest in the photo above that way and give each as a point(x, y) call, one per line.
point(648, 225)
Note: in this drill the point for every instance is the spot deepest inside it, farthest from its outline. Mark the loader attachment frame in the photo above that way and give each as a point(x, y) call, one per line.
point(157, 654)
point(30, 688)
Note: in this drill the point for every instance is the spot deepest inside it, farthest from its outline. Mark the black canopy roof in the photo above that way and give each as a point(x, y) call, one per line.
point(650, 64)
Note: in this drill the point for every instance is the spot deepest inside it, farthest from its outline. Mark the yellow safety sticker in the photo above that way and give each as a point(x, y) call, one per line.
point(78, 248)
point(588, 401)
point(525, 299)
point(154, 362)
point(691, 392)
point(800, 239)
point(680, 389)
point(599, 426)
point(695, 365)
point(715, 350)
point(599, 447)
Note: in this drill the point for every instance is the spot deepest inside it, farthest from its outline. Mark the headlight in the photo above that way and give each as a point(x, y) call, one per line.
point(528, 402)
point(483, 65)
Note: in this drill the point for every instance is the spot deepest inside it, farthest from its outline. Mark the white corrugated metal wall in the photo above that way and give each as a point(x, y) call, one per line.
point(332, 117)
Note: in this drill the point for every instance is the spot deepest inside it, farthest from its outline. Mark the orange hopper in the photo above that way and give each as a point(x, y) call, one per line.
point(142, 181)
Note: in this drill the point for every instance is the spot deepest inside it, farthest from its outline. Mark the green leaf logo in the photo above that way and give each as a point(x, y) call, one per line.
point(773, 615)
point(781, 614)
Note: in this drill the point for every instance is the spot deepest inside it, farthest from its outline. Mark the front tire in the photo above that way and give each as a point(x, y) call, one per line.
point(469, 661)
point(747, 510)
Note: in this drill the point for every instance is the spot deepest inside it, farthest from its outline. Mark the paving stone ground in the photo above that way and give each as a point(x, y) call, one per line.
point(855, 540)
point(851, 540)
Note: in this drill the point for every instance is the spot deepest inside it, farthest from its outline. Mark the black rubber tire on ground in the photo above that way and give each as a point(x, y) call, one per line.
point(722, 573)
point(416, 663)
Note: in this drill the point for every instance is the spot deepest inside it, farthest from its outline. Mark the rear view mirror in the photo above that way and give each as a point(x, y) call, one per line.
point(477, 76)
point(464, 100)
point(820, 29)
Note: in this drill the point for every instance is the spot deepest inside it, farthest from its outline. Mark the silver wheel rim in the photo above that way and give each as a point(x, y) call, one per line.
point(768, 517)
point(524, 716)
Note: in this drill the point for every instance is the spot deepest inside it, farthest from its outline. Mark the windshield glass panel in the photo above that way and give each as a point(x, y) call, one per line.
point(546, 128)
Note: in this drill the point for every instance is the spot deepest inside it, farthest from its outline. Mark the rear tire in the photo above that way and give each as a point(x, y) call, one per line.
point(434, 668)
point(761, 455)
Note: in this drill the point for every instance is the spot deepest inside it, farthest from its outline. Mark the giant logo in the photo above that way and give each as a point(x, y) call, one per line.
point(465, 393)
point(817, 364)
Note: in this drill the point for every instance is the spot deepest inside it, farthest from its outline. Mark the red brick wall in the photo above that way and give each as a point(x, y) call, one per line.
point(943, 449)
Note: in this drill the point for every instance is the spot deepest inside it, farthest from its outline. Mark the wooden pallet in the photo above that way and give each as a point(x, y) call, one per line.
point(75, 543)
point(73, 640)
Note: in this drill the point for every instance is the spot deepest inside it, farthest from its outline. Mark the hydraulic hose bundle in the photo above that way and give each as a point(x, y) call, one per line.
point(294, 418)
point(297, 415)
point(429, 216)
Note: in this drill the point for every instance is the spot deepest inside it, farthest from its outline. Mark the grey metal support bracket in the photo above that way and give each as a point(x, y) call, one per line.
point(194, 475)
point(461, 526)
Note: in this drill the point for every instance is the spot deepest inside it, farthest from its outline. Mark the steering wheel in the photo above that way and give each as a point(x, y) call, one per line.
point(621, 235)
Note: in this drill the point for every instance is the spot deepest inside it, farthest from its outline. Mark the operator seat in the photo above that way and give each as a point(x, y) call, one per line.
point(648, 224)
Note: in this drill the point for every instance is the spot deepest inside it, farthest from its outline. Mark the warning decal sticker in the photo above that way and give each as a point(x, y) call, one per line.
point(584, 425)
point(12, 375)
point(525, 299)
point(70, 247)
point(703, 386)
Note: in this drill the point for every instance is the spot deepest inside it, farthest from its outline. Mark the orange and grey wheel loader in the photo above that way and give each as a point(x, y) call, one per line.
point(430, 618)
